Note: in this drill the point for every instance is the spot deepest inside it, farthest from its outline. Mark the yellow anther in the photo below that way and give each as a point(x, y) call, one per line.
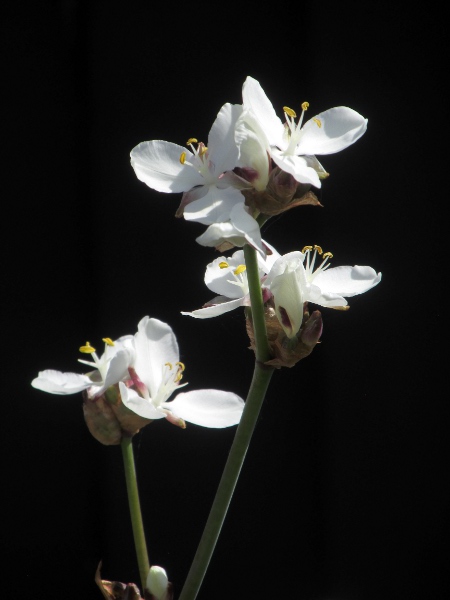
point(223, 265)
point(183, 158)
point(179, 377)
point(240, 269)
point(305, 105)
point(307, 249)
point(327, 255)
point(318, 249)
point(88, 349)
point(289, 111)
point(181, 366)
point(191, 141)
point(318, 122)
point(108, 341)
point(202, 150)
point(170, 365)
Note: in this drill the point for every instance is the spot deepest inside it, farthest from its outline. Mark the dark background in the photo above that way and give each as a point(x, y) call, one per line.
point(342, 494)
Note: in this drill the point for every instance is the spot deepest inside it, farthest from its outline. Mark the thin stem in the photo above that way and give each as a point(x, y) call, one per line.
point(135, 509)
point(262, 352)
point(258, 388)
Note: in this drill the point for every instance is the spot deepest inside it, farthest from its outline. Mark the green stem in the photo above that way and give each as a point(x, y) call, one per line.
point(135, 509)
point(258, 388)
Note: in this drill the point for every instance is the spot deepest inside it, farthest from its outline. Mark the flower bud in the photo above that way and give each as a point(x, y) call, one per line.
point(158, 585)
point(312, 329)
point(286, 352)
point(108, 419)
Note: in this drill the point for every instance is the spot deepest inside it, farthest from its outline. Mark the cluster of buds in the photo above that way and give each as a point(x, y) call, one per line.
point(287, 351)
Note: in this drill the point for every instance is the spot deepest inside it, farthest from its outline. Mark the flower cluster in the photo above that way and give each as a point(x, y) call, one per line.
point(253, 166)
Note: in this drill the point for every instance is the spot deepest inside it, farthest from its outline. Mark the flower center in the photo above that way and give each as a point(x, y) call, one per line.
point(240, 276)
point(200, 155)
point(98, 363)
point(310, 262)
point(171, 377)
point(293, 129)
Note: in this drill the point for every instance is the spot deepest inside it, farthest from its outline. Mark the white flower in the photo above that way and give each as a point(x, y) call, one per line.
point(227, 277)
point(110, 368)
point(156, 374)
point(203, 174)
point(293, 146)
point(292, 284)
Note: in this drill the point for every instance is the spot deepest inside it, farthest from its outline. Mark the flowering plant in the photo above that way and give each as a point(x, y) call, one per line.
point(254, 166)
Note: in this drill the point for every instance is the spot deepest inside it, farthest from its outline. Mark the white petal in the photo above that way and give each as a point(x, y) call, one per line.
point(208, 408)
point(297, 166)
point(222, 149)
point(340, 127)
point(156, 345)
point(255, 99)
point(292, 260)
point(56, 382)
point(347, 281)
point(118, 369)
point(216, 233)
point(220, 280)
point(214, 207)
point(157, 163)
point(216, 309)
point(140, 406)
point(248, 227)
point(253, 149)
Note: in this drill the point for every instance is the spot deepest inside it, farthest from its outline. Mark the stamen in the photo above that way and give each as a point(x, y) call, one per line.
point(318, 122)
point(181, 366)
point(290, 112)
point(88, 349)
point(306, 249)
point(223, 265)
point(305, 105)
point(108, 341)
point(202, 150)
point(327, 255)
point(168, 364)
point(191, 141)
point(183, 158)
point(319, 249)
point(240, 269)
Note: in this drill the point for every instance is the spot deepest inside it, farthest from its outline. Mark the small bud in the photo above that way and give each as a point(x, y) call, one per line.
point(158, 584)
point(312, 329)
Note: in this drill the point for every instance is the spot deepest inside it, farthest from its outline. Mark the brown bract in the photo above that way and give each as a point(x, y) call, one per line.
point(108, 419)
point(283, 192)
point(115, 590)
point(288, 352)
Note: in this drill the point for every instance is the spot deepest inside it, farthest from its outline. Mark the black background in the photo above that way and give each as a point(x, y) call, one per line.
point(342, 494)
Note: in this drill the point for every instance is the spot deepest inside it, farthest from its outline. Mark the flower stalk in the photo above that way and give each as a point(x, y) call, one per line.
point(135, 509)
point(258, 388)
